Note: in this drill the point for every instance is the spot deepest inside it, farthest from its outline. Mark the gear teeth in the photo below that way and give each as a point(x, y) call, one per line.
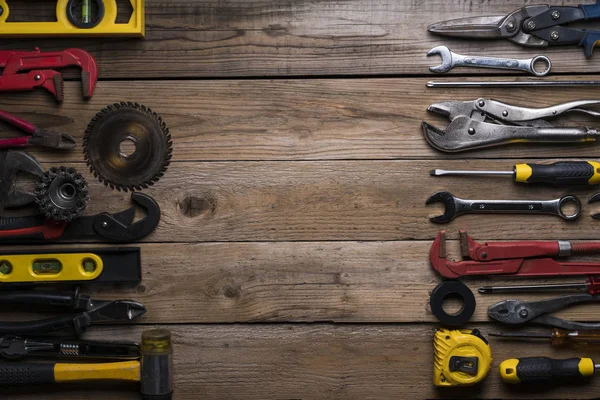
point(166, 157)
point(46, 193)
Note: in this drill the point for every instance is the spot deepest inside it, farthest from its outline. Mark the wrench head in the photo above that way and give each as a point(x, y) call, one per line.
point(446, 55)
point(449, 202)
point(594, 199)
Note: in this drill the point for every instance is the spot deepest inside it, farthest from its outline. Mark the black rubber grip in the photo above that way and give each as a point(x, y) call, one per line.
point(25, 374)
point(562, 173)
point(546, 370)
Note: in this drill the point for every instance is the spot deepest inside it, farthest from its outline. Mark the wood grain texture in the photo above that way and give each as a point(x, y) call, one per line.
point(367, 282)
point(208, 38)
point(256, 120)
point(312, 362)
point(336, 200)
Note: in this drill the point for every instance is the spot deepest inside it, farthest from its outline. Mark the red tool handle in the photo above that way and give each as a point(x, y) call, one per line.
point(47, 230)
point(17, 122)
point(593, 285)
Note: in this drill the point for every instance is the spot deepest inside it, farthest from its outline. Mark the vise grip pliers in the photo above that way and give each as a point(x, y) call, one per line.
point(517, 258)
point(485, 123)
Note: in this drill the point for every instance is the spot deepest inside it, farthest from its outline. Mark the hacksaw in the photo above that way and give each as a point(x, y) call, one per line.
point(66, 24)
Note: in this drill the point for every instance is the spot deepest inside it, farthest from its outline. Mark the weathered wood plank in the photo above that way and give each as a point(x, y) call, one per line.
point(367, 282)
point(335, 200)
point(208, 38)
point(292, 119)
point(313, 362)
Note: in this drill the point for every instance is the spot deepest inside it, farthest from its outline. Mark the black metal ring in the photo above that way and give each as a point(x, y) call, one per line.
point(71, 14)
point(450, 288)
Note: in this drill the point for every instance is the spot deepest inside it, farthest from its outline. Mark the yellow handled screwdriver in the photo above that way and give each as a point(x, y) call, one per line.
point(545, 369)
point(559, 173)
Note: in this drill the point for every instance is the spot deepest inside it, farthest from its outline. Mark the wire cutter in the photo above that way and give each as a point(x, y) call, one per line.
point(487, 122)
point(17, 348)
point(530, 26)
point(85, 312)
point(516, 312)
point(36, 136)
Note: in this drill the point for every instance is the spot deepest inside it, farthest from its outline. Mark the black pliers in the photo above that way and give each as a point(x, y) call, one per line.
point(84, 312)
point(531, 26)
point(36, 136)
point(516, 312)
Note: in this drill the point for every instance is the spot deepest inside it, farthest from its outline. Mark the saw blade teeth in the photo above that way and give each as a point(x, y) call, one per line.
point(148, 173)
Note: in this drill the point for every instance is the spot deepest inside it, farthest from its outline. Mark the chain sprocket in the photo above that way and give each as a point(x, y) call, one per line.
point(61, 194)
point(133, 124)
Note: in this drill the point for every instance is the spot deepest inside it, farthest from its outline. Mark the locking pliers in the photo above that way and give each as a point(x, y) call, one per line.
point(486, 123)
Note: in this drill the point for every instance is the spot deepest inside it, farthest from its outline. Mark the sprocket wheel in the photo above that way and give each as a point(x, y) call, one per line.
point(61, 194)
point(127, 146)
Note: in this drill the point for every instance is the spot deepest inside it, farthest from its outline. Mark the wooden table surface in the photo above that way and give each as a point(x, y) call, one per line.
point(291, 261)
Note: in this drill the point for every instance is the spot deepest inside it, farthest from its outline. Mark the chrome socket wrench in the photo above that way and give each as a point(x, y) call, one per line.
point(455, 206)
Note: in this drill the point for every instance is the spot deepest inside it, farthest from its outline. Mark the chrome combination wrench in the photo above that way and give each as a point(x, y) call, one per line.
point(452, 60)
point(455, 206)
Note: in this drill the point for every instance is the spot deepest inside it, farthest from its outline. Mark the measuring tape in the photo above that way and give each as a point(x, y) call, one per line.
point(78, 18)
point(461, 357)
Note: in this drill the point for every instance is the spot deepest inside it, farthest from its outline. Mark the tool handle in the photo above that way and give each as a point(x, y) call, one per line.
point(34, 297)
point(591, 11)
point(33, 228)
point(589, 41)
point(73, 324)
point(544, 369)
point(25, 374)
point(559, 173)
point(17, 122)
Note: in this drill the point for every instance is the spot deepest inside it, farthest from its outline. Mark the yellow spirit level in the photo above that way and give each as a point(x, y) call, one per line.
point(74, 18)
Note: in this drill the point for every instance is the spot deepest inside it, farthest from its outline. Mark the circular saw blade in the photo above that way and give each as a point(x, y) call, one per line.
point(127, 146)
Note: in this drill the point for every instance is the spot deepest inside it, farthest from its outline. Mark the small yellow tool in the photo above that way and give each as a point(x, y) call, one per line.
point(38, 268)
point(462, 357)
point(78, 18)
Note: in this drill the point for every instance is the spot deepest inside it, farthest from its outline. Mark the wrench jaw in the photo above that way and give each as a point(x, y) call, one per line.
point(453, 139)
point(446, 55)
point(450, 207)
point(594, 199)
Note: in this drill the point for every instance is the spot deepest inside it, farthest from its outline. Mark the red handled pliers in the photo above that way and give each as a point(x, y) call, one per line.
point(36, 136)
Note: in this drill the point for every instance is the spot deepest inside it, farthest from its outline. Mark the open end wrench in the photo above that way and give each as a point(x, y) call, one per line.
point(452, 60)
point(455, 206)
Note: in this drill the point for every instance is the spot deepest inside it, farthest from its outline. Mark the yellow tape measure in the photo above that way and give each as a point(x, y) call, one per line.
point(37, 268)
point(78, 18)
point(462, 357)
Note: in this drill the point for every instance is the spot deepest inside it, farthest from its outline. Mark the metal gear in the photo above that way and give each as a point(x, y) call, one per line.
point(61, 194)
point(148, 137)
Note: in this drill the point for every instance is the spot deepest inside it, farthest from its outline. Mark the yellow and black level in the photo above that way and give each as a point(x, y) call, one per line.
point(78, 18)
point(104, 265)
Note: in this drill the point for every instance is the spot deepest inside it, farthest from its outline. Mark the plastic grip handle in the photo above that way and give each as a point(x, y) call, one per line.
point(589, 41)
point(25, 374)
point(591, 11)
point(562, 173)
point(546, 370)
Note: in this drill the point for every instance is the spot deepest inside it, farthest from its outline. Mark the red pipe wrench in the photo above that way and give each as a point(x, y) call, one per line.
point(27, 70)
point(523, 258)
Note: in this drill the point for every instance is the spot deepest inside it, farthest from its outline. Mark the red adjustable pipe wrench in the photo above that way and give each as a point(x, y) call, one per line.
point(524, 258)
point(27, 70)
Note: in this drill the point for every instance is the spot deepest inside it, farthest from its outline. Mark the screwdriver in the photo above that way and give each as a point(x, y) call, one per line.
point(545, 369)
point(592, 286)
point(558, 337)
point(558, 173)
